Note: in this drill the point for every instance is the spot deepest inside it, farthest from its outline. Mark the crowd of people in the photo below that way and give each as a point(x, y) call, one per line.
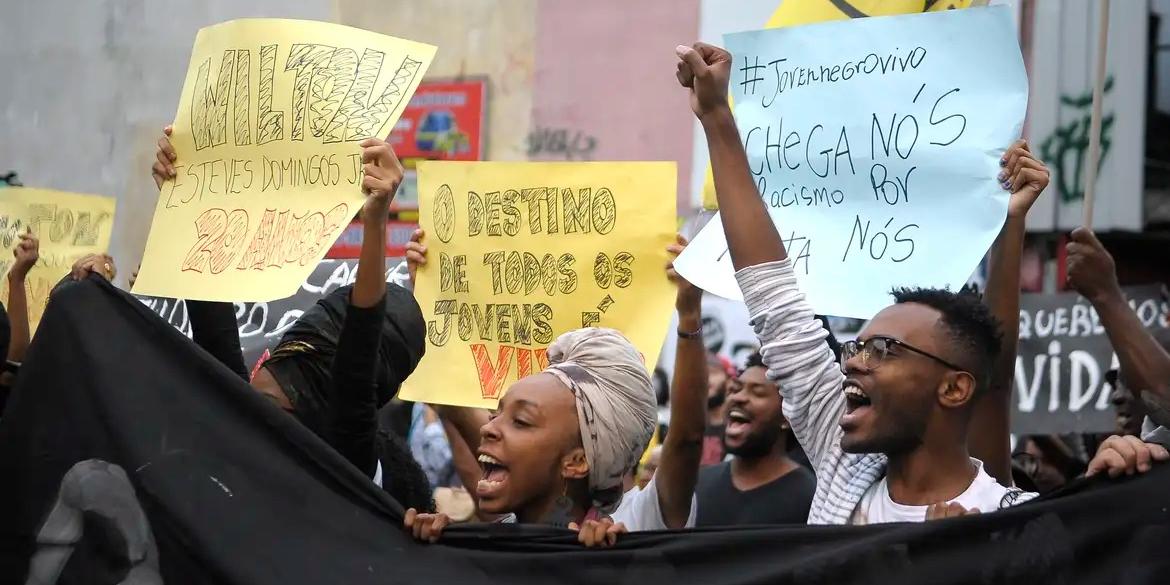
point(909, 422)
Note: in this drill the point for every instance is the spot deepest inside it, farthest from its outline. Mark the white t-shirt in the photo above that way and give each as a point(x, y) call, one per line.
point(639, 509)
point(984, 494)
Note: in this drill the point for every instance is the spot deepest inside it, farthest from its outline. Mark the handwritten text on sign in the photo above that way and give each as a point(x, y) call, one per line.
point(269, 169)
point(877, 153)
point(519, 253)
point(68, 225)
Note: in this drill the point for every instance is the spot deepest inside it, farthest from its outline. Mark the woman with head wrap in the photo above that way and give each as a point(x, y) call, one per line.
point(561, 441)
point(348, 354)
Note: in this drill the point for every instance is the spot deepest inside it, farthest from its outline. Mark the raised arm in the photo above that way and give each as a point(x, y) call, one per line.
point(989, 436)
point(751, 236)
point(792, 340)
point(1091, 272)
point(26, 254)
point(351, 423)
point(682, 448)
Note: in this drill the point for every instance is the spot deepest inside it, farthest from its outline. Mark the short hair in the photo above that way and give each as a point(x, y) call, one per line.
point(969, 324)
point(756, 360)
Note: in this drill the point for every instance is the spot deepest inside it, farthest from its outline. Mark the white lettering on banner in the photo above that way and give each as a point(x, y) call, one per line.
point(1063, 355)
point(876, 157)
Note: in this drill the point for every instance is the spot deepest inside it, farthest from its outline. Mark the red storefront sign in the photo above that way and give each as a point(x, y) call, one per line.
point(349, 243)
point(443, 121)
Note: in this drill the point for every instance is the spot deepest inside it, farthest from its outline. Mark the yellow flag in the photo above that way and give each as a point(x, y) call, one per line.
point(798, 12)
point(68, 225)
point(269, 168)
point(518, 253)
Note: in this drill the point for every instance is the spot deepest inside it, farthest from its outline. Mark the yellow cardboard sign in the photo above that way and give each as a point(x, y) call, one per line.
point(68, 225)
point(269, 168)
point(518, 253)
point(798, 12)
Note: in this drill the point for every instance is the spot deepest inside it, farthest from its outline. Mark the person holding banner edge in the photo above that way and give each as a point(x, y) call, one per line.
point(530, 483)
point(345, 356)
point(887, 428)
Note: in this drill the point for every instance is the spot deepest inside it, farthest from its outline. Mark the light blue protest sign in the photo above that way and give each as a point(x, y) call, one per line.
point(875, 143)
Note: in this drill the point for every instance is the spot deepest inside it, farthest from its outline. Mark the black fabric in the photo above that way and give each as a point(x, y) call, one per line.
point(213, 327)
point(302, 361)
point(235, 491)
point(783, 501)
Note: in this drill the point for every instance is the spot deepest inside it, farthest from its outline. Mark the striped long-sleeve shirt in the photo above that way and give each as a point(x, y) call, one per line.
point(793, 346)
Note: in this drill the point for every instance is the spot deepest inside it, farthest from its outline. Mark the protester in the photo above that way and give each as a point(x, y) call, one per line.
point(1145, 363)
point(347, 355)
point(429, 446)
point(1128, 408)
point(562, 442)
point(720, 373)
point(647, 469)
point(761, 484)
point(887, 429)
point(1048, 461)
point(14, 322)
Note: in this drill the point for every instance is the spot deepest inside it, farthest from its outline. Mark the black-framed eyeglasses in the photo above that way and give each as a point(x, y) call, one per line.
point(874, 350)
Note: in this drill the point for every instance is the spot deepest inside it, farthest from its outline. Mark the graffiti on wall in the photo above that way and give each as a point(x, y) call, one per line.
point(561, 143)
point(1067, 147)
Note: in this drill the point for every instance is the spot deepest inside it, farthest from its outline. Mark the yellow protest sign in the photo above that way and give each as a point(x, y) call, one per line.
point(518, 253)
point(269, 167)
point(798, 12)
point(68, 225)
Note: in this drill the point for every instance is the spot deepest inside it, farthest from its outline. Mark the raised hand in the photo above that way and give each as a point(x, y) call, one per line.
point(164, 167)
point(416, 253)
point(1091, 270)
point(598, 533)
point(1125, 456)
point(425, 527)
point(25, 254)
point(690, 297)
point(1024, 176)
point(705, 69)
point(382, 175)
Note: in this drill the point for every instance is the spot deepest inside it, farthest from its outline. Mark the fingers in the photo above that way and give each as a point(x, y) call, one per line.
point(1158, 452)
point(376, 179)
point(693, 60)
point(1027, 171)
point(1106, 460)
point(378, 152)
point(1083, 235)
point(168, 129)
point(943, 510)
point(685, 76)
point(611, 533)
point(409, 518)
point(597, 533)
point(417, 236)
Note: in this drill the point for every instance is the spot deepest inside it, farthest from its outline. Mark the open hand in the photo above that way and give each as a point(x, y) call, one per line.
point(164, 167)
point(1091, 270)
point(705, 69)
point(100, 264)
point(943, 510)
point(1023, 176)
point(25, 254)
point(598, 533)
point(425, 527)
point(1125, 456)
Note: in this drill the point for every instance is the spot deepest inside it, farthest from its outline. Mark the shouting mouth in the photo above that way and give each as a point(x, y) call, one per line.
point(738, 424)
point(857, 405)
point(495, 475)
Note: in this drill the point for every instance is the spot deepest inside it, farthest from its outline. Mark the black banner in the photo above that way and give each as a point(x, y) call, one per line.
point(1063, 356)
point(128, 455)
point(262, 324)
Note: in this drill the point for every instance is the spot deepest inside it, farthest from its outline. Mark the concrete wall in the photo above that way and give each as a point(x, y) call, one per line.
point(88, 86)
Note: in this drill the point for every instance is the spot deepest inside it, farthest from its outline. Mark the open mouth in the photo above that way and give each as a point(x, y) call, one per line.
point(857, 404)
point(495, 474)
point(738, 423)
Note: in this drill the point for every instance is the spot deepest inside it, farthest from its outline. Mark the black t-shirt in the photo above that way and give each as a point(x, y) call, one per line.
point(783, 501)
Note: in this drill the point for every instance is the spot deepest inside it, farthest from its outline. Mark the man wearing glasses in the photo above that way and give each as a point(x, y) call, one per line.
point(886, 428)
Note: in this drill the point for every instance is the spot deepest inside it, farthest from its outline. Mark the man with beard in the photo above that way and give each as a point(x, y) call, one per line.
point(761, 484)
point(886, 428)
